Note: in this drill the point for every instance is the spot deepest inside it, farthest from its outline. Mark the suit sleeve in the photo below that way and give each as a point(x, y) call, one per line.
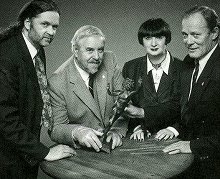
point(61, 129)
point(16, 134)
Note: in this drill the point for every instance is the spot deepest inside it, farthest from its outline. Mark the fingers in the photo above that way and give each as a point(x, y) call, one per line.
point(93, 141)
point(98, 133)
point(177, 151)
point(116, 140)
point(59, 152)
point(132, 136)
point(173, 148)
point(164, 134)
point(69, 150)
point(138, 136)
point(108, 139)
point(148, 134)
point(160, 136)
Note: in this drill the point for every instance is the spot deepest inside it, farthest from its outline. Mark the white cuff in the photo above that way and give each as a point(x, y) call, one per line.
point(172, 129)
point(137, 128)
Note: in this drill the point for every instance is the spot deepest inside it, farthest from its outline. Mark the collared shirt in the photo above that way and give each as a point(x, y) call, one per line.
point(83, 74)
point(31, 48)
point(202, 64)
point(157, 73)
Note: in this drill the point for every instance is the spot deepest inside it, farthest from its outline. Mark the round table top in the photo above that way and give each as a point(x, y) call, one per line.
point(134, 159)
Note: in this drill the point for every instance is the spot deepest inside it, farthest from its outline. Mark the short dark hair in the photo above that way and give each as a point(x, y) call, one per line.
point(154, 27)
point(209, 15)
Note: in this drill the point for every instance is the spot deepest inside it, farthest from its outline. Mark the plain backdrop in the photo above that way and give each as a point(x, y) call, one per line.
point(118, 19)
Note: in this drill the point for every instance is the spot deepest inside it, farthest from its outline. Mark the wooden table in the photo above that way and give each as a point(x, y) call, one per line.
point(133, 160)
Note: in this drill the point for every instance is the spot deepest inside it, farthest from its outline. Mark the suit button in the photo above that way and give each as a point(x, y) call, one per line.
point(197, 138)
point(203, 121)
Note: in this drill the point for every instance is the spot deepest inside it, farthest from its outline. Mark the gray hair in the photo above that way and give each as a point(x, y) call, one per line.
point(85, 31)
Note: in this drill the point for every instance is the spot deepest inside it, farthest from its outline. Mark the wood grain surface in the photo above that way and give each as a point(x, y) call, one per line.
point(133, 160)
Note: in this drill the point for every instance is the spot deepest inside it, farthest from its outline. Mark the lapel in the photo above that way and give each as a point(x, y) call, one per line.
point(148, 82)
point(28, 62)
point(167, 80)
point(81, 90)
point(100, 88)
point(186, 82)
point(204, 78)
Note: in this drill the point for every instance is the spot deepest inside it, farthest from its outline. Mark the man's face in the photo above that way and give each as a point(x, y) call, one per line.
point(155, 46)
point(197, 37)
point(42, 28)
point(89, 53)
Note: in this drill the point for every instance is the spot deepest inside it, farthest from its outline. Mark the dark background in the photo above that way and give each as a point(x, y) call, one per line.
point(118, 19)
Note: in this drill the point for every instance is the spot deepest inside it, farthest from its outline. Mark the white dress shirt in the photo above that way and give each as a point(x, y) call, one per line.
point(32, 50)
point(83, 74)
point(157, 73)
point(202, 63)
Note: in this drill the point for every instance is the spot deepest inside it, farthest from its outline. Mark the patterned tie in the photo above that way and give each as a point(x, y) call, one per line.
point(91, 81)
point(42, 80)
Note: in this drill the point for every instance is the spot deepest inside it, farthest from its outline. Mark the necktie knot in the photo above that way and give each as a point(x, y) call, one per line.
point(156, 66)
point(196, 63)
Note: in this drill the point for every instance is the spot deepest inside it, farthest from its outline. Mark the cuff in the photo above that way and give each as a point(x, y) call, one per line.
point(172, 129)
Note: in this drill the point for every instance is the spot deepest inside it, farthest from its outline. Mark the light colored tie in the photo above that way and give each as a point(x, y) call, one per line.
point(42, 80)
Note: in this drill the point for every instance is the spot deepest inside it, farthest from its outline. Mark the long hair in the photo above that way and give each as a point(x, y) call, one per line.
point(29, 10)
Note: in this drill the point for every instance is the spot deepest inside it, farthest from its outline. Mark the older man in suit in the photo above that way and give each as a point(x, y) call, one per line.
point(81, 110)
point(200, 124)
point(22, 102)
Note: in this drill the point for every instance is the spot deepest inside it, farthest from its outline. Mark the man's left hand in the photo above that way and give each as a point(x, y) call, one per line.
point(115, 137)
point(178, 147)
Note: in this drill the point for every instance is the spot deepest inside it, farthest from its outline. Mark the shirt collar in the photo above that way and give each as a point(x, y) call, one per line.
point(164, 65)
point(83, 73)
point(204, 60)
point(31, 48)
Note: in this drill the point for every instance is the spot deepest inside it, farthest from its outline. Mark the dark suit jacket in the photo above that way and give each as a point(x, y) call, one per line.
point(20, 108)
point(162, 107)
point(200, 122)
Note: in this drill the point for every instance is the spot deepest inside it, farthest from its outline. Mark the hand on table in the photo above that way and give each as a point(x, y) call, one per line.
point(87, 137)
point(138, 134)
point(59, 151)
point(164, 134)
point(134, 112)
point(178, 147)
point(115, 137)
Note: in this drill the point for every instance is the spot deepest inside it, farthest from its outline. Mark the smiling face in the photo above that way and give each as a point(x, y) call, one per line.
point(42, 28)
point(198, 38)
point(89, 53)
point(155, 46)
